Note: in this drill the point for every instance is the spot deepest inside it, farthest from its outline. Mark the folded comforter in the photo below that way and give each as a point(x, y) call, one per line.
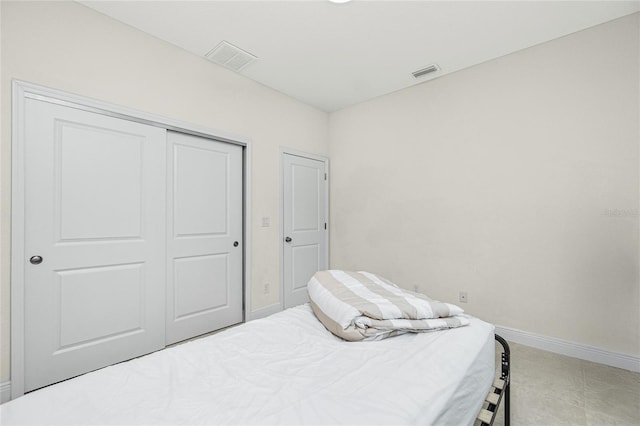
point(363, 306)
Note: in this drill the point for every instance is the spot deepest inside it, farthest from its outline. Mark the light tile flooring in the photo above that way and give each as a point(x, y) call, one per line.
point(551, 389)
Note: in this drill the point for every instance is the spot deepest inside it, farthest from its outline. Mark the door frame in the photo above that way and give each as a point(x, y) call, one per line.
point(325, 160)
point(21, 91)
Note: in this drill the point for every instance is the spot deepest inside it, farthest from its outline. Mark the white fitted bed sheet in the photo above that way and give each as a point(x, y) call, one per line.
point(283, 369)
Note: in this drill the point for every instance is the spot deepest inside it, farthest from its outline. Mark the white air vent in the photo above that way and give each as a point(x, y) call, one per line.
point(427, 70)
point(230, 56)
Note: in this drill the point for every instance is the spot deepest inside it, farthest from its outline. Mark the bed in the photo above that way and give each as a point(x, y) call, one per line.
point(285, 369)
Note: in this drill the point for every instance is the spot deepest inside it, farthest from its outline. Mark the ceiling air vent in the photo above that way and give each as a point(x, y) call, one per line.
point(230, 56)
point(427, 70)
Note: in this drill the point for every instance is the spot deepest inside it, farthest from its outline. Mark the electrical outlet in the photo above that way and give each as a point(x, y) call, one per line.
point(463, 296)
point(267, 288)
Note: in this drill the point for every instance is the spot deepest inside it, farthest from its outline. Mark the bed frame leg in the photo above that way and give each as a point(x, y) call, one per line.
point(505, 375)
point(500, 390)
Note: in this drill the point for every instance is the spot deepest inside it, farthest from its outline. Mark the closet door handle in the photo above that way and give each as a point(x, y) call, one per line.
point(36, 260)
point(235, 243)
point(287, 240)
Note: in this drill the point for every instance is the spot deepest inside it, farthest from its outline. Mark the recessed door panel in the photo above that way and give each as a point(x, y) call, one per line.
point(195, 291)
point(304, 225)
point(103, 291)
point(204, 238)
point(306, 190)
point(95, 216)
point(106, 202)
point(307, 261)
point(195, 170)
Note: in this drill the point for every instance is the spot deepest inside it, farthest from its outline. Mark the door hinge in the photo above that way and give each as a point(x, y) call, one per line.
point(325, 225)
point(325, 176)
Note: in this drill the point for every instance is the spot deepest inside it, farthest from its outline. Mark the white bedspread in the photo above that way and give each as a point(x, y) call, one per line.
point(284, 369)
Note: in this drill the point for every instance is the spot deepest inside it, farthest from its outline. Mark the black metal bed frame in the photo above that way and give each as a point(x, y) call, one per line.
point(501, 388)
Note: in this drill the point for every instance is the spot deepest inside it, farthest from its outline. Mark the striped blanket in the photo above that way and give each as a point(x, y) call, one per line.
point(364, 306)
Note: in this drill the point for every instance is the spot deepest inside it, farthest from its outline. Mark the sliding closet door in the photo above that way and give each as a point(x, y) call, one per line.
point(94, 240)
point(204, 244)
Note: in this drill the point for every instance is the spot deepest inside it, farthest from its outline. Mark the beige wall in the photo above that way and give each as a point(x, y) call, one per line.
point(67, 46)
point(515, 181)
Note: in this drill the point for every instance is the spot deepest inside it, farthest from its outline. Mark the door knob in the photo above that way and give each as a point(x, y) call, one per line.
point(235, 243)
point(287, 240)
point(35, 260)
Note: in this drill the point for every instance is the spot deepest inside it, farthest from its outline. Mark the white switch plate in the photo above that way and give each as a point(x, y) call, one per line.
point(463, 296)
point(266, 221)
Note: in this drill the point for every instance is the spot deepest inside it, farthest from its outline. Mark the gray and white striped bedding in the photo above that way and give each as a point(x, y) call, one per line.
point(363, 306)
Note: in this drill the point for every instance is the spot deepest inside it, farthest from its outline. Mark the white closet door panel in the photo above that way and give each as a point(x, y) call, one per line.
point(305, 250)
point(94, 207)
point(95, 212)
point(197, 170)
point(196, 292)
point(204, 244)
point(102, 289)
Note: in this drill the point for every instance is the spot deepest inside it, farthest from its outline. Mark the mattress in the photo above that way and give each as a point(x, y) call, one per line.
point(283, 369)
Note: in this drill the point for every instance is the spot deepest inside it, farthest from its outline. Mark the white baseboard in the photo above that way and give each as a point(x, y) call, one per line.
point(5, 392)
point(572, 349)
point(264, 312)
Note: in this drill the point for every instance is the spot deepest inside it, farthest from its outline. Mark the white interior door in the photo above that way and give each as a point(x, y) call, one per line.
point(304, 225)
point(94, 241)
point(204, 244)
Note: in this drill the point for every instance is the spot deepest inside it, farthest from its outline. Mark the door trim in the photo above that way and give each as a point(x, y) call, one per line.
point(325, 160)
point(21, 91)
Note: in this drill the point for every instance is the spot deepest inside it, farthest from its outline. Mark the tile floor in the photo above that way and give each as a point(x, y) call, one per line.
point(551, 389)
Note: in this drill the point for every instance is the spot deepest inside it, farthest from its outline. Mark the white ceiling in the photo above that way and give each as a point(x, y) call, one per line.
point(335, 55)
